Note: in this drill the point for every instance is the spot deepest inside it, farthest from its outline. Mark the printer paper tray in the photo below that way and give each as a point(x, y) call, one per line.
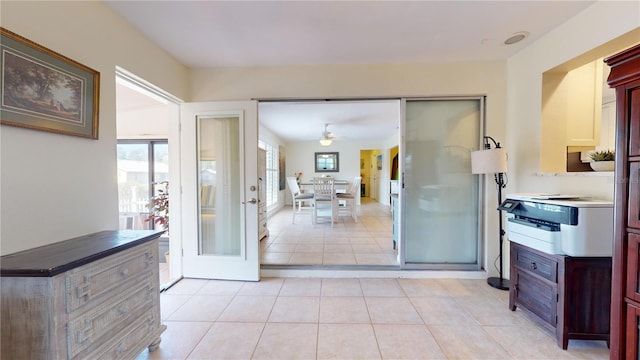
point(549, 242)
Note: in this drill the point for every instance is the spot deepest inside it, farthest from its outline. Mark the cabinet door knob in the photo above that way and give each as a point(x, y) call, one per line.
point(534, 266)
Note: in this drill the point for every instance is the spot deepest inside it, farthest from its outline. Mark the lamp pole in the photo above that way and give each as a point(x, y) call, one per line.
point(499, 282)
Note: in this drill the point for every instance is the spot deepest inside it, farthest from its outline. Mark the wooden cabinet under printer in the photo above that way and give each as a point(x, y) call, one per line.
point(567, 295)
point(561, 264)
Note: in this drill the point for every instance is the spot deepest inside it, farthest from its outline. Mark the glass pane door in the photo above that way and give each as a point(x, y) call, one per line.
point(441, 217)
point(219, 152)
point(218, 174)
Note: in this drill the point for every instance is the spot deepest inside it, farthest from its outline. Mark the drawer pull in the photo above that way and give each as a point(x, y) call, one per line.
point(85, 333)
point(120, 349)
point(149, 260)
point(124, 271)
point(123, 310)
point(84, 291)
point(534, 266)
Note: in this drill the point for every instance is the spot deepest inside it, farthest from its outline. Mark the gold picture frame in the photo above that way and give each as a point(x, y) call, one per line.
point(44, 90)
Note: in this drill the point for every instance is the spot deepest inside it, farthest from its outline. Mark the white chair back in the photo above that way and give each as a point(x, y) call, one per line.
point(323, 188)
point(355, 185)
point(293, 186)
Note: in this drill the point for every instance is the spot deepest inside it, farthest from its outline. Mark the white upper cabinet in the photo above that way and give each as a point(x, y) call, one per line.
point(584, 104)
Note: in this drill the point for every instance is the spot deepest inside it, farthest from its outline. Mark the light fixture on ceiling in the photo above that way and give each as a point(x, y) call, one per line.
point(517, 37)
point(327, 137)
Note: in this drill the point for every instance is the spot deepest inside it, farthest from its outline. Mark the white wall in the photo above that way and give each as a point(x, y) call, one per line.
point(55, 187)
point(597, 25)
point(300, 157)
point(593, 27)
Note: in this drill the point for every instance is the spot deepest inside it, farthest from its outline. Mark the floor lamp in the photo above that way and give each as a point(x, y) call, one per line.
point(493, 161)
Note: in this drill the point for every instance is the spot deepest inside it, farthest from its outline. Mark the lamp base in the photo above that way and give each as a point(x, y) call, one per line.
point(498, 283)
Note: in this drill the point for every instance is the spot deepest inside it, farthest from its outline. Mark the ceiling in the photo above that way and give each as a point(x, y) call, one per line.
point(280, 33)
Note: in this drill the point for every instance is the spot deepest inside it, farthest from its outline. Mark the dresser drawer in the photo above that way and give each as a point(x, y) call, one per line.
point(633, 270)
point(126, 306)
point(127, 343)
point(537, 296)
point(536, 263)
point(87, 283)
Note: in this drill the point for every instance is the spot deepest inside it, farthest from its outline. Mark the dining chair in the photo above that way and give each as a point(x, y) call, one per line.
point(350, 197)
point(324, 199)
point(298, 199)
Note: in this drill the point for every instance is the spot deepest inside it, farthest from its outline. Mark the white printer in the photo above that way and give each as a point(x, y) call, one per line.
point(560, 224)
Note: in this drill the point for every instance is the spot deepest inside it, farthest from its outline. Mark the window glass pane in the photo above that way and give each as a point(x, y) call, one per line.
point(160, 162)
point(272, 174)
point(133, 185)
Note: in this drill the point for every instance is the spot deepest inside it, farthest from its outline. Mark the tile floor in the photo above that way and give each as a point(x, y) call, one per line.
point(348, 318)
point(367, 242)
point(305, 318)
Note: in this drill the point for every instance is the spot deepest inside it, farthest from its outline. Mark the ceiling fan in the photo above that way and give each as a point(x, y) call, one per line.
point(327, 137)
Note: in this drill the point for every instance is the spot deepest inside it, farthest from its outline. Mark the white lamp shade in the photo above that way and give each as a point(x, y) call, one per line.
point(325, 142)
point(491, 161)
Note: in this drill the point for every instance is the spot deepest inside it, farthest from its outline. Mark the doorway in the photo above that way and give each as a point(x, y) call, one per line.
point(146, 161)
point(373, 177)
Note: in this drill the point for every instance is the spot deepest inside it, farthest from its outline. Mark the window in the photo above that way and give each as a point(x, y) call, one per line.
point(271, 183)
point(141, 163)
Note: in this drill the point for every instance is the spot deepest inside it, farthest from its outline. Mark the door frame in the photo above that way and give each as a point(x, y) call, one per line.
point(175, 171)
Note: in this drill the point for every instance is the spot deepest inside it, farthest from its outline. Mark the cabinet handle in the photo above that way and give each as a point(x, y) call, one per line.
point(85, 333)
point(84, 291)
point(149, 260)
point(534, 266)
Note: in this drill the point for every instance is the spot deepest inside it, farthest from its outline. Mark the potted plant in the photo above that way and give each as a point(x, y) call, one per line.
point(159, 210)
point(603, 160)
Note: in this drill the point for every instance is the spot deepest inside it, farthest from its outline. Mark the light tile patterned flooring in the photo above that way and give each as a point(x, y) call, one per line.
point(367, 242)
point(312, 318)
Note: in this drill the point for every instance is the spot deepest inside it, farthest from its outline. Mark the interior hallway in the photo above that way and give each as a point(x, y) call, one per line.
point(297, 318)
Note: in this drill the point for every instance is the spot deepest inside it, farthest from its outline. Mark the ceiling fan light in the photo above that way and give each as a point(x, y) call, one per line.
point(325, 142)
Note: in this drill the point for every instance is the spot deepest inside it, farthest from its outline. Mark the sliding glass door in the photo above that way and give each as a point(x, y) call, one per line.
point(441, 198)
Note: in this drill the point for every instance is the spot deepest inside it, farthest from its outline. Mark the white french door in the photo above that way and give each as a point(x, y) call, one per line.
point(219, 146)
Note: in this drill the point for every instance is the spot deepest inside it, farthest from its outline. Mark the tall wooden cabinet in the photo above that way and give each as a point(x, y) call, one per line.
point(625, 295)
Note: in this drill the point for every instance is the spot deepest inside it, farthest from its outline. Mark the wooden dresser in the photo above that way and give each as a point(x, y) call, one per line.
point(91, 297)
point(569, 296)
point(625, 293)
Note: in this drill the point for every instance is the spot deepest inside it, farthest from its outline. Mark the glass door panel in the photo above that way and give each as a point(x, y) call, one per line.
point(441, 197)
point(218, 174)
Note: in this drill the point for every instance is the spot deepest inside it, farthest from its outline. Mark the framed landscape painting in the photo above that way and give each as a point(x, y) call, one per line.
point(43, 90)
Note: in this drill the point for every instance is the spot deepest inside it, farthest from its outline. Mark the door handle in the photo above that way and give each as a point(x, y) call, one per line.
point(251, 201)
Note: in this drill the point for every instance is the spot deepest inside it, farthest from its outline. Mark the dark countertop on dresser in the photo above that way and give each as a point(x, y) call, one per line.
point(56, 258)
